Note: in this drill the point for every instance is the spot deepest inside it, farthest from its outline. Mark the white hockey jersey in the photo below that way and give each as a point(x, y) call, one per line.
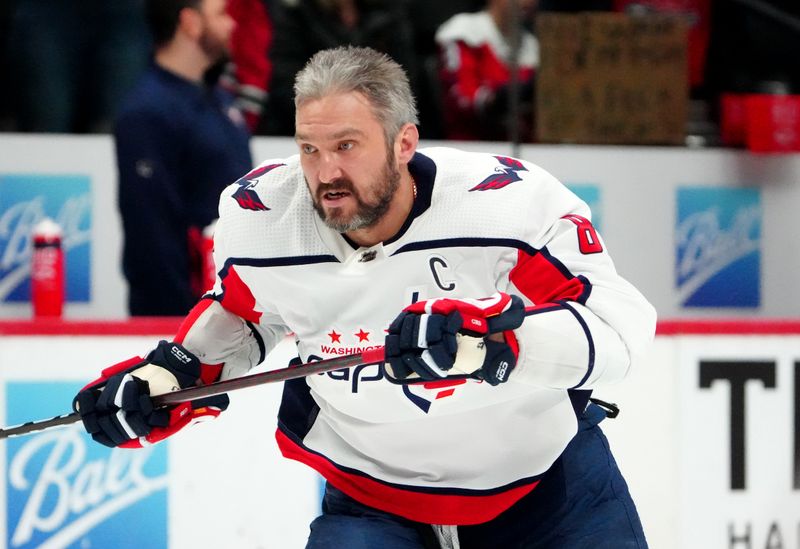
point(449, 452)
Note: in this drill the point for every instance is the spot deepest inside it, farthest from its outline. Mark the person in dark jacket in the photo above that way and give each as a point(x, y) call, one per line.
point(179, 142)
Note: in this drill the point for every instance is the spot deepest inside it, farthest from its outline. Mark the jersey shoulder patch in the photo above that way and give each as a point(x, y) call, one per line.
point(268, 213)
point(505, 174)
point(246, 195)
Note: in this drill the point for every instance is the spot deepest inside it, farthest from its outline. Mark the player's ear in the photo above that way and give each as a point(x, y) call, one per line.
point(190, 22)
point(405, 144)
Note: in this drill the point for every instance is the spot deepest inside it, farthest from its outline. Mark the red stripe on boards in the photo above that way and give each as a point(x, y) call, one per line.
point(137, 326)
point(752, 326)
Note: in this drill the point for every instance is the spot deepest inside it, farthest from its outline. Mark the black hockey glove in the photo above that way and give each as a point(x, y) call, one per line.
point(447, 338)
point(116, 408)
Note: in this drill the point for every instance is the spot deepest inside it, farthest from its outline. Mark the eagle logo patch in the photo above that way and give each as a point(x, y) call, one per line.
point(245, 195)
point(505, 174)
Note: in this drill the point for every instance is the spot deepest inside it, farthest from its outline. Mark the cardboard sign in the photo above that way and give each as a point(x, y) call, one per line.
point(610, 78)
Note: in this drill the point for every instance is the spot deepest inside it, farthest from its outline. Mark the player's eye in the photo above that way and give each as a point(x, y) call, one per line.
point(308, 149)
point(346, 146)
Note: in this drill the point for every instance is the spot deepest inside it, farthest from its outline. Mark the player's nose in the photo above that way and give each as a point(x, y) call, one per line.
point(329, 168)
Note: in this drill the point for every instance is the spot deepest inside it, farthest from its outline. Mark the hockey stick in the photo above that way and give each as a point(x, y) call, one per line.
point(371, 356)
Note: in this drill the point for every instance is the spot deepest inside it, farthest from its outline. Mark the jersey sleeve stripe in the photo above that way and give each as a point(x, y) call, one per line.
point(262, 348)
point(236, 297)
point(589, 342)
point(543, 279)
point(545, 308)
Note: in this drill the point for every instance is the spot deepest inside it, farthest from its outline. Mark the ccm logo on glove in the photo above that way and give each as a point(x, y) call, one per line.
point(180, 355)
point(501, 370)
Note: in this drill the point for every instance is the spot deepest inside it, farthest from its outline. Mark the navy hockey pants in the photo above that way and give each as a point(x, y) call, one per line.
point(581, 502)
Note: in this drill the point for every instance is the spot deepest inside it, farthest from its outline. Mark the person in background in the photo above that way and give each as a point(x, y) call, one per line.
point(426, 18)
point(304, 27)
point(248, 72)
point(492, 301)
point(476, 59)
point(72, 62)
point(179, 142)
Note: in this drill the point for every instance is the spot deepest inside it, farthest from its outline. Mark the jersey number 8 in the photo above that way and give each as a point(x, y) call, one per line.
point(588, 242)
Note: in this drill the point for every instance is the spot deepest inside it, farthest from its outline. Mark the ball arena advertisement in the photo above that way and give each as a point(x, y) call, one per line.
point(64, 490)
point(25, 200)
point(221, 483)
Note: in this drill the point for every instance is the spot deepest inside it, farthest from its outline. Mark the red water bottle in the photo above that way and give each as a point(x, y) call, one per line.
point(47, 270)
point(209, 272)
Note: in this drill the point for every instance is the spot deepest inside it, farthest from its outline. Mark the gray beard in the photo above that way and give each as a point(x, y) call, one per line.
point(367, 215)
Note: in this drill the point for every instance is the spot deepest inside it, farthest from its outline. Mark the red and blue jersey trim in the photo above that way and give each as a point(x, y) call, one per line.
point(425, 505)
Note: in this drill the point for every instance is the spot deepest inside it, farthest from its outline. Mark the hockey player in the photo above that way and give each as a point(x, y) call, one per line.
point(497, 301)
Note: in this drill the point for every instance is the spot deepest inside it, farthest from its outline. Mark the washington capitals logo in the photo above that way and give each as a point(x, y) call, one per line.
point(504, 175)
point(443, 389)
point(245, 195)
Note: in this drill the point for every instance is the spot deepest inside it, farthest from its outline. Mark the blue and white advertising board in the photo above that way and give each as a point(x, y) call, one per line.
point(65, 490)
point(25, 200)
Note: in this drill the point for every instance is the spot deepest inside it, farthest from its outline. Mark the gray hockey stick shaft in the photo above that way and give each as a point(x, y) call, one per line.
point(371, 356)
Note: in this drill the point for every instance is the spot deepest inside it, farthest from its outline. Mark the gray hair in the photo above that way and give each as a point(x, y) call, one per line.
point(350, 69)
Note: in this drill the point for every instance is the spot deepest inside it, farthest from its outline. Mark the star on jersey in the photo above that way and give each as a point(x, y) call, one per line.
point(245, 196)
point(362, 335)
point(335, 338)
point(504, 175)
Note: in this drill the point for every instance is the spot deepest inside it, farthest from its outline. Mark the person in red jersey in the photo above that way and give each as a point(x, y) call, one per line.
point(476, 61)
